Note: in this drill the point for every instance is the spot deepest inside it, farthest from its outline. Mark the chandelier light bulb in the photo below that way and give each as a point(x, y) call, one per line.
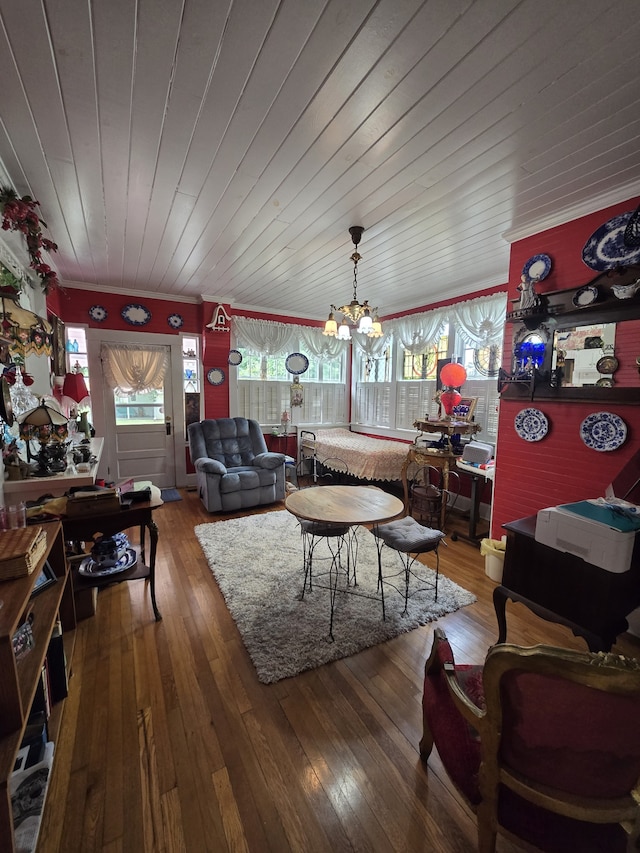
point(330, 327)
point(343, 332)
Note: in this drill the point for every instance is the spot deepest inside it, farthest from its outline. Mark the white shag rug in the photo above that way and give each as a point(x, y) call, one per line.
point(257, 563)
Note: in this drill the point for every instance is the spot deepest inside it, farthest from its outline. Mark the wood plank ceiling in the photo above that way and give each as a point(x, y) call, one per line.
point(190, 148)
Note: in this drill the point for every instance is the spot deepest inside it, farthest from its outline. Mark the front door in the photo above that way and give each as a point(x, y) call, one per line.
point(142, 426)
point(143, 433)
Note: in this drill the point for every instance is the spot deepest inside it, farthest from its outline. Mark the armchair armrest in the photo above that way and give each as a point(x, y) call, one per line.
point(464, 705)
point(269, 460)
point(209, 466)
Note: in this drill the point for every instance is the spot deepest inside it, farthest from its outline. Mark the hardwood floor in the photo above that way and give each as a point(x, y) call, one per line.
point(170, 743)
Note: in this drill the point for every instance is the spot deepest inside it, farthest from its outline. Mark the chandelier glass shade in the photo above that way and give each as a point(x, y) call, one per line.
point(354, 313)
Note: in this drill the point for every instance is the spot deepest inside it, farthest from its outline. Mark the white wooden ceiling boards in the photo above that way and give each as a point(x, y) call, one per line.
point(189, 148)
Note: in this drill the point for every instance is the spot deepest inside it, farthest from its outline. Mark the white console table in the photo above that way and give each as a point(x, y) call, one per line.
point(33, 487)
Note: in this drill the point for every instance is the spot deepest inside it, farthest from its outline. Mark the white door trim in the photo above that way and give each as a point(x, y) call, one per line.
point(95, 338)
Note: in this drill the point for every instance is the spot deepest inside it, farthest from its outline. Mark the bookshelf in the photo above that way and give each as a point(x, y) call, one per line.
point(19, 679)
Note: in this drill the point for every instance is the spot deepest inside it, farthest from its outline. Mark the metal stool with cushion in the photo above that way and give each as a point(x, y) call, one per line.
point(337, 537)
point(409, 539)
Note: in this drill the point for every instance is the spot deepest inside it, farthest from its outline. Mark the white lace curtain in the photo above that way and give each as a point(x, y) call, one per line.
point(264, 337)
point(418, 332)
point(480, 322)
point(372, 347)
point(319, 345)
point(128, 367)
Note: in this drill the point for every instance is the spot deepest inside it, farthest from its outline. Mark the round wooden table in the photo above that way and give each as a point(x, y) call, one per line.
point(344, 505)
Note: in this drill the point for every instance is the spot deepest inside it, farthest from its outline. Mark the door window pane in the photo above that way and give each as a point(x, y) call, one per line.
point(136, 407)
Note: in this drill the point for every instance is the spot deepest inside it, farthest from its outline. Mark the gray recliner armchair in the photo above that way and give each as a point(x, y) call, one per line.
point(234, 469)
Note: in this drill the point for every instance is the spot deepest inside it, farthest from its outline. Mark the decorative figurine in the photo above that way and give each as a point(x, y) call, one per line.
point(528, 296)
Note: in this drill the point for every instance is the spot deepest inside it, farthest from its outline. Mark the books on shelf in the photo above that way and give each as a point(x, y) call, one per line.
point(57, 665)
point(28, 790)
point(20, 550)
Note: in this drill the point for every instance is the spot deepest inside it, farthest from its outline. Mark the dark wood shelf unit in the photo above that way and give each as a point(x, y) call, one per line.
point(558, 310)
point(19, 678)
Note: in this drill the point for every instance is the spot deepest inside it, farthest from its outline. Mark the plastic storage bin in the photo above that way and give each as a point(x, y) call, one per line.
point(493, 552)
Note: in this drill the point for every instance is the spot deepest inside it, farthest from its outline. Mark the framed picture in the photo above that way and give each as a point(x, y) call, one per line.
point(58, 356)
point(297, 394)
point(465, 409)
point(46, 578)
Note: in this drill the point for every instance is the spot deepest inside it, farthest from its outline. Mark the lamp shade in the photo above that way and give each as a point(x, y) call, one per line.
point(75, 387)
point(450, 400)
point(43, 415)
point(453, 375)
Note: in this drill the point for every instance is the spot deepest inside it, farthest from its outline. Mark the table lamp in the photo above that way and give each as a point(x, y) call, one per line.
point(452, 377)
point(45, 423)
point(76, 389)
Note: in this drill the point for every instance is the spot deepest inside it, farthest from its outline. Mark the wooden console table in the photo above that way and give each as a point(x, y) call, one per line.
point(137, 515)
point(563, 588)
point(57, 484)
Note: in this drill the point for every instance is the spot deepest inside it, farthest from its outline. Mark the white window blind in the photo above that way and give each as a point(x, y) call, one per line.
point(324, 402)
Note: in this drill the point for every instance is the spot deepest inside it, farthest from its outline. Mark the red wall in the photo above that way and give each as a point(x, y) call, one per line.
point(72, 306)
point(560, 468)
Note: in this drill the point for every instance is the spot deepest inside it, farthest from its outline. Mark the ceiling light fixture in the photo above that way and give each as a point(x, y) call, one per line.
point(354, 313)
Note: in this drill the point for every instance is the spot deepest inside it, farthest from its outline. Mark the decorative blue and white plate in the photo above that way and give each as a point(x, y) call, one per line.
point(531, 424)
point(296, 363)
point(587, 295)
point(603, 431)
point(137, 315)
point(90, 568)
point(215, 376)
point(537, 267)
point(98, 313)
point(175, 321)
point(606, 249)
point(235, 357)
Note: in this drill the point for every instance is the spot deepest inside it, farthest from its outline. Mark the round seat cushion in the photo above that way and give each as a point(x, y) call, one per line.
point(407, 535)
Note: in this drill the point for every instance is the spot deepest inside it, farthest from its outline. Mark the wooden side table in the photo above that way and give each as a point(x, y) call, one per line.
point(137, 515)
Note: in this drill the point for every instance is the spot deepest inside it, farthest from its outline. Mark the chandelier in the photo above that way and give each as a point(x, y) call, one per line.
point(354, 313)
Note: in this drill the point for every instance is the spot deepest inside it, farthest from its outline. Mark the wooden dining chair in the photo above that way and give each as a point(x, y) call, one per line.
point(544, 743)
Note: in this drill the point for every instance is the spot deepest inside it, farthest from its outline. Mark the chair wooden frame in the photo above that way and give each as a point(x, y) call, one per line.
point(600, 671)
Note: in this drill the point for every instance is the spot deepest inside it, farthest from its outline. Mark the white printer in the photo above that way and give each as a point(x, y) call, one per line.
point(592, 530)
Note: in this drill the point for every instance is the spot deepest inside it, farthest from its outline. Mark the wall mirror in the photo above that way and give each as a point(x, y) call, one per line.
point(584, 356)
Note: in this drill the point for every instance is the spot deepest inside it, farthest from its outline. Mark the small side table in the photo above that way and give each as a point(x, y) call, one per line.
point(279, 442)
point(137, 515)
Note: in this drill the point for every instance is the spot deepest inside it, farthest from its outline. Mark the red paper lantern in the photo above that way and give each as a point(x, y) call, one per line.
point(450, 400)
point(453, 375)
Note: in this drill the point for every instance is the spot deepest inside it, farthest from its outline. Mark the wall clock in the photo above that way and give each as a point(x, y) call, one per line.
point(215, 376)
point(135, 314)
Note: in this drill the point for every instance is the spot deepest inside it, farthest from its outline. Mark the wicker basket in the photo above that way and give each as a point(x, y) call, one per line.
point(20, 551)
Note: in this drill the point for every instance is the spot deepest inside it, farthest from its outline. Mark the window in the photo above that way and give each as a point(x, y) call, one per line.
point(380, 402)
point(190, 365)
point(264, 388)
point(425, 364)
point(78, 362)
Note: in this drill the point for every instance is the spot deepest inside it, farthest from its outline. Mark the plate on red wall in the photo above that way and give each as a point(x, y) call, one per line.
point(606, 248)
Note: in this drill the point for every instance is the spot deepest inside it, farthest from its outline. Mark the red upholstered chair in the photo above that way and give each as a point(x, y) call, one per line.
point(544, 743)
